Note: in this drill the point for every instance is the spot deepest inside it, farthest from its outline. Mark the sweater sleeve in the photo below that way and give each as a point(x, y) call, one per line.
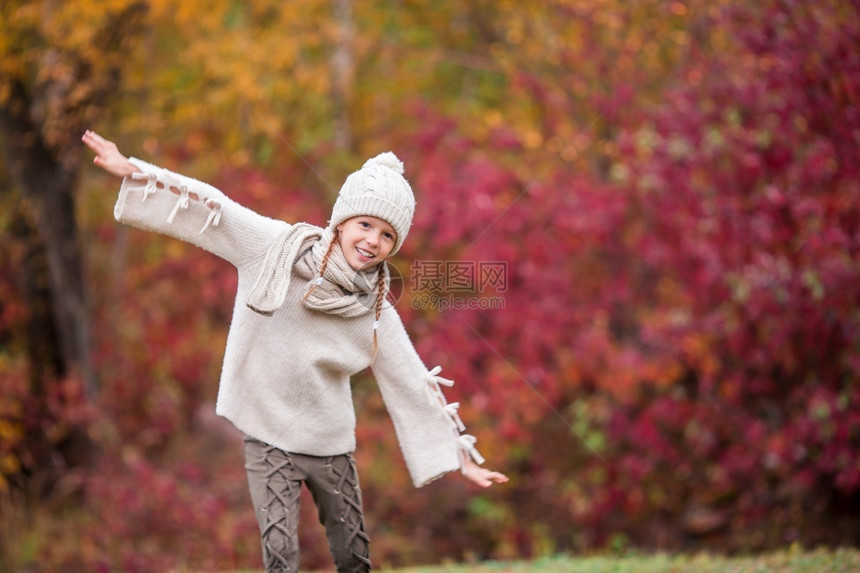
point(160, 200)
point(427, 426)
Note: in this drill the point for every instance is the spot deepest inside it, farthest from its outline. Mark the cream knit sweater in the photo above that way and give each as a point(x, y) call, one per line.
point(286, 377)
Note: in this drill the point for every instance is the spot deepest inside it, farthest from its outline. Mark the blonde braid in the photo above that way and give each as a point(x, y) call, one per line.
point(380, 298)
point(323, 265)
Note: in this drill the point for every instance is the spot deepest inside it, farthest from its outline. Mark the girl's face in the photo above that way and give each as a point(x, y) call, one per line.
point(366, 241)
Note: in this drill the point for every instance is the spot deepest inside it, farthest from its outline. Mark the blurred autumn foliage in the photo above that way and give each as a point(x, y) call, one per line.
point(672, 185)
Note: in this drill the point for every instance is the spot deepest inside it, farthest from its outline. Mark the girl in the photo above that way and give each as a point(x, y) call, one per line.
point(310, 312)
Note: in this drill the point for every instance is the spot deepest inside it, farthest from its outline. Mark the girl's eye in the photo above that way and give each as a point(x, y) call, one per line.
point(364, 224)
point(389, 236)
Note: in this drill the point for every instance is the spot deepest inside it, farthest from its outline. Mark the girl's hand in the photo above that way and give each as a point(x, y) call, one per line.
point(481, 476)
point(108, 156)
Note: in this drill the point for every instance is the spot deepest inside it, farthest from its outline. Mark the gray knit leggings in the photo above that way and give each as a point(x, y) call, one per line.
point(275, 479)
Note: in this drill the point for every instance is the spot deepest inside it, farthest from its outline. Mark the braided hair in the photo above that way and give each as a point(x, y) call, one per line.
point(380, 299)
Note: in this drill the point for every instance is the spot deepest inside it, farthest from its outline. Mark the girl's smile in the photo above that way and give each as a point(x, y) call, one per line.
point(365, 241)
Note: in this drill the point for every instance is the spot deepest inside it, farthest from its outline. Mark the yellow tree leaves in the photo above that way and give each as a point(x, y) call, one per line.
point(242, 74)
point(63, 57)
point(245, 74)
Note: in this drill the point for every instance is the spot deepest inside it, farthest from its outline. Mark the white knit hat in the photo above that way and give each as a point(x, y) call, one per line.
point(379, 190)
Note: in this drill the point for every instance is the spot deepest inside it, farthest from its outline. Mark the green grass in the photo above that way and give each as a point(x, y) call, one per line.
point(789, 560)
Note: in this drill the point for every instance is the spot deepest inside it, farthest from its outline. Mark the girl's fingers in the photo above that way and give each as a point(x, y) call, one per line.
point(92, 142)
point(486, 478)
point(95, 141)
point(107, 156)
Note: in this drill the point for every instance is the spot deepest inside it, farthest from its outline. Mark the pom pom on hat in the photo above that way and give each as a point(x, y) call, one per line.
point(386, 159)
point(379, 190)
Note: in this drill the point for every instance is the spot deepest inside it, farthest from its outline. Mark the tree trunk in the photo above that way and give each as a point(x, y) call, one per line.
point(47, 183)
point(343, 73)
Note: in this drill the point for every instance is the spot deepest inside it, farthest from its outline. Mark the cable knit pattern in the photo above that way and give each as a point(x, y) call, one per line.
point(285, 377)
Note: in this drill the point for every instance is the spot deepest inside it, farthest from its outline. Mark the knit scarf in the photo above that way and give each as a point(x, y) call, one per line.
point(300, 248)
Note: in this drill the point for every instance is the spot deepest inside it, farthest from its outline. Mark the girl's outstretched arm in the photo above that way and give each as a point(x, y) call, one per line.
point(481, 476)
point(108, 156)
point(156, 199)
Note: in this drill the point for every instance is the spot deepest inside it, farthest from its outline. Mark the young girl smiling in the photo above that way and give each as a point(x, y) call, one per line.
point(310, 312)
